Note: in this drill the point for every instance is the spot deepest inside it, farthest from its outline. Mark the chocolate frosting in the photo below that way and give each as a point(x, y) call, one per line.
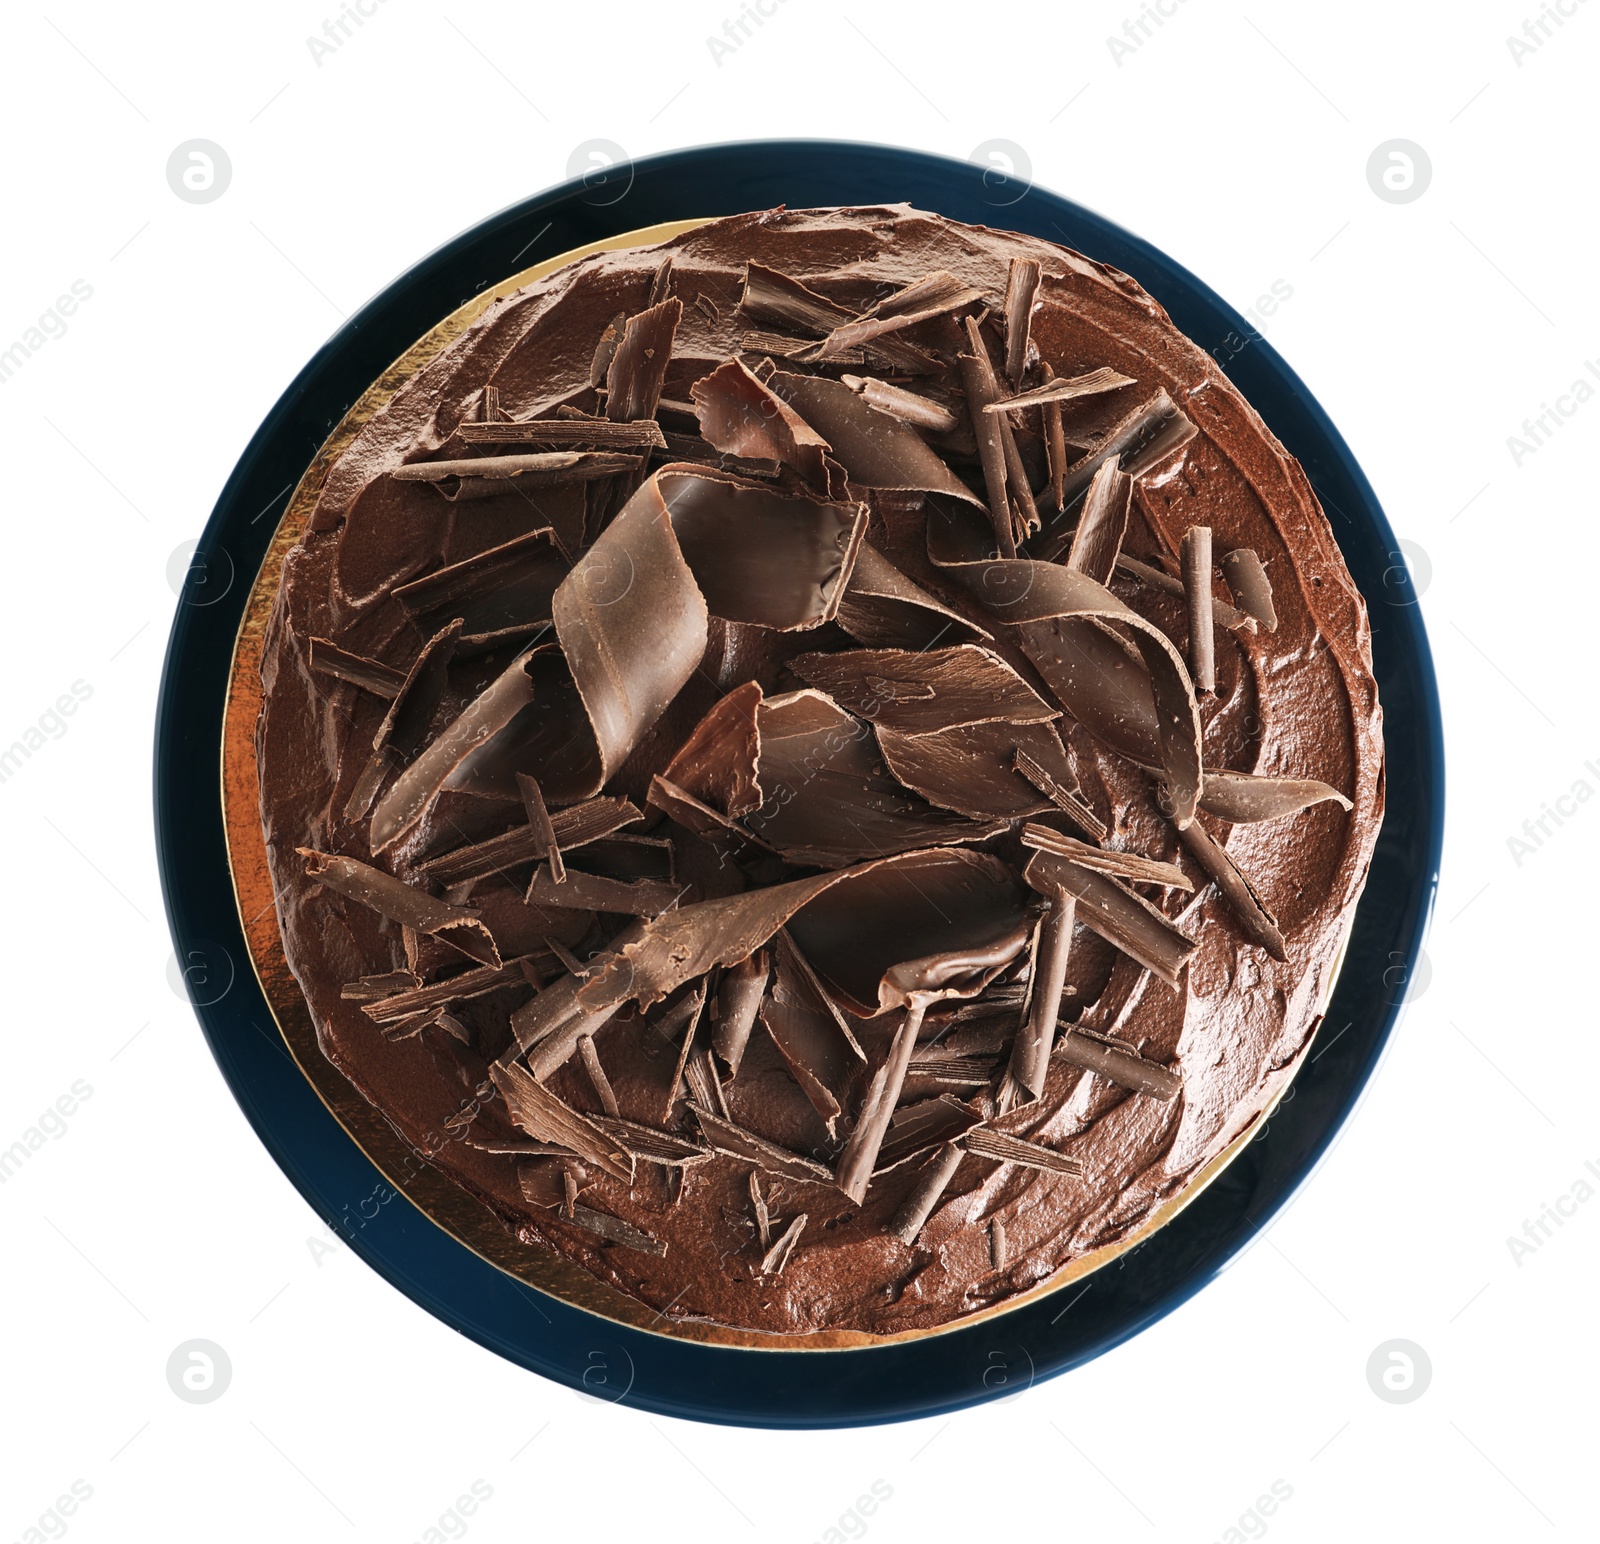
point(718, 979)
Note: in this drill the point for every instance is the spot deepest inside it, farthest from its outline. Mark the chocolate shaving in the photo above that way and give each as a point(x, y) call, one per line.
point(604, 351)
point(597, 1075)
point(368, 989)
point(1030, 1052)
point(1125, 865)
point(482, 476)
point(369, 674)
point(909, 407)
point(504, 590)
point(773, 1262)
point(809, 1031)
point(928, 297)
point(726, 837)
point(1097, 540)
point(1061, 616)
point(733, 1011)
point(696, 1005)
point(593, 892)
point(923, 692)
point(565, 434)
point(726, 1137)
point(615, 1231)
point(1058, 794)
point(773, 343)
point(1122, 918)
point(758, 1204)
point(1248, 581)
point(1241, 798)
point(402, 903)
point(1022, 287)
point(544, 834)
point(999, 1247)
point(408, 718)
point(548, 1119)
point(882, 608)
point(463, 988)
point(957, 1071)
point(1117, 1064)
point(1055, 446)
point(977, 381)
point(1197, 585)
point(648, 1145)
point(770, 296)
point(661, 281)
point(741, 416)
point(985, 1142)
point(691, 448)
point(705, 1087)
point(716, 764)
point(1222, 613)
point(638, 369)
point(972, 769)
point(916, 1127)
point(1020, 495)
point(1056, 389)
point(573, 827)
point(1257, 922)
point(1149, 434)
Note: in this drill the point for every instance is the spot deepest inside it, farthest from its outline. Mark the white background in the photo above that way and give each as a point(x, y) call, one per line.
point(1235, 140)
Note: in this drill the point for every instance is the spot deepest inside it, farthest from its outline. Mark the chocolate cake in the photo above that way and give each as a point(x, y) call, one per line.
point(820, 769)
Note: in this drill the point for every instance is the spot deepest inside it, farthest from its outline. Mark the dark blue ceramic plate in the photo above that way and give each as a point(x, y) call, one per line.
point(780, 1388)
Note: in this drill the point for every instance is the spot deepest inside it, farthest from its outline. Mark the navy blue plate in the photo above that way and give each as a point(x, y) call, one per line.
point(779, 1388)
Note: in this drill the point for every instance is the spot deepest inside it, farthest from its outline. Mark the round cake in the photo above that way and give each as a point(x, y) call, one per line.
point(820, 769)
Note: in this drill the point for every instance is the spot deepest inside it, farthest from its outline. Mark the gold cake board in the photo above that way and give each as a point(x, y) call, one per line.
point(460, 1214)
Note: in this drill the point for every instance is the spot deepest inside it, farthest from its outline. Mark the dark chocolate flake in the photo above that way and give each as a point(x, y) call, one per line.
point(615, 1231)
point(369, 674)
point(1247, 578)
point(986, 1142)
point(1125, 865)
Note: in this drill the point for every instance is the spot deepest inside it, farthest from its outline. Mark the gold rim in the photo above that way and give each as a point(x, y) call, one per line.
point(440, 1199)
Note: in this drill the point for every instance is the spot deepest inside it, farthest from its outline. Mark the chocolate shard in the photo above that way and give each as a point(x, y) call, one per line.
point(548, 1119)
point(1149, 435)
point(1222, 613)
point(1054, 788)
point(484, 476)
point(1057, 389)
point(741, 416)
point(1258, 924)
point(1030, 1053)
point(726, 1137)
point(573, 827)
point(604, 351)
point(1062, 619)
point(758, 1204)
point(565, 434)
point(648, 1145)
point(1025, 513)
point(875, 450)
point(638, 368)
point(933, 295)
point(1247, 578)
point(695, 1004)
point(726, 837)
point(986, 1142)
point(1022, 288)
point(908, 406)
point(544, 833)
point(615, 1231)
point(1243, 797)
point(1117, 1064)
point(773, 1262)
point(1055, 445)
point(776, 345)
point(1197, 586)
point(370, 989)
point(914, 1128)
point(406, 723)
point(923, 692)
point(593, 892)
point(832, 804)
point(508, 588)
point(661, 281)
point(972, 769)
point(809, 1031)
point(981, 392)
point(716, 764)
point(882, 608)
point(403, 903)
point(917, 1207)
point(1104, 860)
point(1123, 919)
point(734, 1010)
point(597, 1075)
point(417, 999)
point(1097, 541)
point(369, 674)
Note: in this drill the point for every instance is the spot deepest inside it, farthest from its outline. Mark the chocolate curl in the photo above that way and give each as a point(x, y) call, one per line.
point(1248, 581)
point(1017, 489)
point(661, 281)
point(741, 416)
point(737, 1002)
point(771, 296)
point(914, 1128)
point(974, 769)
point(547, 1118)
point(758, 1204)
point(882, 608)
point(931, 1183)
point(403, 903)
point(1001, 1146)
point(1162, 728)
point(1117, 1063)
point(809, 1031)
point(1022, 285)
point(1097, 541)
point(734, 1140)
point(691, 1036)
point(977, 381)
point(1058, 794)
point(614, 1230)
point(539, 826)
point(774, 345)
point(1055, 445)
point(716, 765)
point(638, 369)
point(1125, 865)
point(773, 1262)
point(505, 590)
point(595, 892)
point(1257, 922)
point(1223, 614)
point(407, 720)
point(908, 406)
point(1057, 390)
point(927, 298)
point(1030, 1052)
point(1241, 798)
point(575, 826)
point(1196, 554)
point(565, 433)
point(369, 674)
point(597, 1075)
point(485, 476)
